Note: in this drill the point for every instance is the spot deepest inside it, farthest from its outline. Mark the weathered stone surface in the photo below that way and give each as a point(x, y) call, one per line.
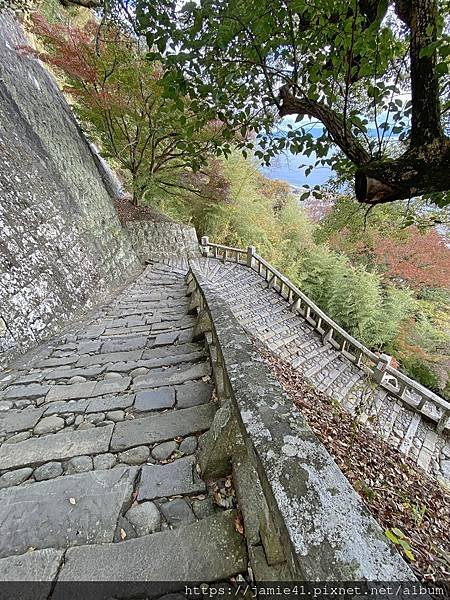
point(162, 377)
point(115, 415)
point(65, 373)
point(164, 450)
point(56, 447)
point(62, 242)
point(78, 464)
point(209, 550)
point(203, 508)
point(163, 339)
point(15, 477)
point(49, 425)
point(88, 389)
point(152, 240)
point(38, 566)
point(48, 471)
point(157, 399)
point(18, 437)
point(188, 445)
point(178, 477)
point(144, 517)
point(125, 344)
point(71, 510)
point(177, 513)
point(159, 428)
point(71, 391)
point(35, 390)
point(110, 403)
point(193, 393)
point(170, 352)
point(134, 456)
point(113, 357)
point(71, 406)
point(104, 461)
point(19, 420)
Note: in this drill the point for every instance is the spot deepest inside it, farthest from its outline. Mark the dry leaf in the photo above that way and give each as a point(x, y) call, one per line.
point(123, 534)
point(238, 525)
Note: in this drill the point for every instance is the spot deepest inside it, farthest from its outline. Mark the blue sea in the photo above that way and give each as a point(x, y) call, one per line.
point(287, 167)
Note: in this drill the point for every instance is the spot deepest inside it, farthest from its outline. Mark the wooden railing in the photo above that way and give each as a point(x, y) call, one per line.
point(413, 394)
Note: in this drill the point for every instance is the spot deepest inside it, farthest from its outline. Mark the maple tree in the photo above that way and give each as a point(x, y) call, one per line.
point(422, 259)
point(119, 99)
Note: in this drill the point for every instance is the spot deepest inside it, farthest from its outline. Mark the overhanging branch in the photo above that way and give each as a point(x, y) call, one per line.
point(347, 142)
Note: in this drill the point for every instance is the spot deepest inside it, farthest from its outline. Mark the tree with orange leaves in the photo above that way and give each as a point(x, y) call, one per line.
point(119, 99)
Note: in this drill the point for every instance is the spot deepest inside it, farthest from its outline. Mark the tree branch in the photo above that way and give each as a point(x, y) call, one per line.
point(83, 3)
point(348, 143)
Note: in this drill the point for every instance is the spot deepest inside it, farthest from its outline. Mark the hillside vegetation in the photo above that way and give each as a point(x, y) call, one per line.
point(381, 275)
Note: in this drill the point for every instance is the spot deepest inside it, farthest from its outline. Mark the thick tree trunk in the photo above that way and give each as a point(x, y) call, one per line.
point(426, 120)
point(419, 171)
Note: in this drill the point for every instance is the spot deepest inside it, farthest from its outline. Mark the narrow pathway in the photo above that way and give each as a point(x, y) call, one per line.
point(98, 433)
point(267, 316)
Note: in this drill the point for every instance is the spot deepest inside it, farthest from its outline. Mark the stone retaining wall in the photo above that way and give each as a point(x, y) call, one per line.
point(61, 243)
point(303, 520)
point(155, 240)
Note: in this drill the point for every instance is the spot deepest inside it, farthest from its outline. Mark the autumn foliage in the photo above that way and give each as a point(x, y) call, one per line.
point(118, 96)
point(422, 259)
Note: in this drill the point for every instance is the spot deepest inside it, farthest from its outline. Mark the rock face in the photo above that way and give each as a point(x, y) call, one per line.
point(62, 243)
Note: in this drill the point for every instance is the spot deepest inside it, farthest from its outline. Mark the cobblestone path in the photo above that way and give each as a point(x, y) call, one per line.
point(98, 431)
point(268, 317)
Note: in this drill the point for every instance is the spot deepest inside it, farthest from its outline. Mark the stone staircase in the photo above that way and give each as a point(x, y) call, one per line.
point(98, 430)
point(267, 316)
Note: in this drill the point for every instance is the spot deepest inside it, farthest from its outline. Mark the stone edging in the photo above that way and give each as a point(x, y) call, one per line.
point(302, 518)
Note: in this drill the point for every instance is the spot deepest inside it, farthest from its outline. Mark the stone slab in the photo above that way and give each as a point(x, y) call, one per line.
point(19, 420)
point(70, 392)
point(59, 446)
point(125, 344)
point(178, 477)
point(162, 377)
point(165, 351)
point(35, 390)
point(87, 389)
point(110, 403)
point(67, 511)
point(70, 406)
point(40, 565)
point(160, 398)
point(102, 359)
point(29, 576)
point(193, 393)
point(209, 550)
point(159, 428)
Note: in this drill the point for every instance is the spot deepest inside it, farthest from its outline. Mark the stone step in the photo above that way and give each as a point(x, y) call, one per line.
point(161, 427)
point(58, 446)
point(66, 511)
point(206, 551)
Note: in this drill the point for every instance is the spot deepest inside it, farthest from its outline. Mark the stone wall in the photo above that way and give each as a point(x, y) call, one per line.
point(303, 520)
point(61, 243)
point(154, 240)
